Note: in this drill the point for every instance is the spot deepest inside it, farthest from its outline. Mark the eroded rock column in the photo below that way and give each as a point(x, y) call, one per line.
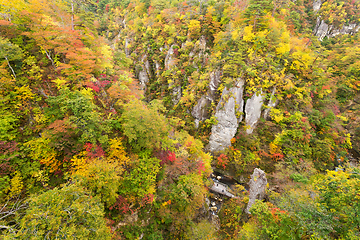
point(229, 114)
point(257, 186)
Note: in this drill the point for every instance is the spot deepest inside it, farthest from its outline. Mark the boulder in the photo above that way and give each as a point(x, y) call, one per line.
point(257, 187)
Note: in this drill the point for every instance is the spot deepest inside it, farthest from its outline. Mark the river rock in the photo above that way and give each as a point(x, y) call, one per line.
point(257, 185)
point(215, 221)
point(229, 114)
point(253, 111)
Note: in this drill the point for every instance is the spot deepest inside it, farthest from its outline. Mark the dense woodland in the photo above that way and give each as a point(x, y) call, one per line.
point(98, 139)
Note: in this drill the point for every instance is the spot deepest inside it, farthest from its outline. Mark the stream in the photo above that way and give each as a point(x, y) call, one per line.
point(222, 182)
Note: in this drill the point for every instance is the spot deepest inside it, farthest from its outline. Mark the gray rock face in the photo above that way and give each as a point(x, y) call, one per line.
point(272, 103)
point(215, 221)
point(199, 112)
point(202, 44)
point(199, 47)
point(257, 186)
point(317, 5)
point(228, 114)
point(350, 29)
point(215, 79)
point(253, 111)
point(176, 92)
point(129, 219)
point(323, 30)
point(127, 50)
point(144, 73)
point(157, 68)
point(169, 59)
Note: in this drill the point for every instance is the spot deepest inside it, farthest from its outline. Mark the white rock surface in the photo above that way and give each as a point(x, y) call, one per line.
point(169, 59)
point(199, 112)
point(127, 49)
point(253, 111)
point(176, 92)
point(317, 5)
point(157, 68)
point(228, 114)
point(202, 44)
point(144, 73)
point(215, 79)
point(257, 185)
point(321, 29)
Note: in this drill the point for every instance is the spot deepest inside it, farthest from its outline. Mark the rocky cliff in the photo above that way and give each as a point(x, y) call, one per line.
point(324, 29)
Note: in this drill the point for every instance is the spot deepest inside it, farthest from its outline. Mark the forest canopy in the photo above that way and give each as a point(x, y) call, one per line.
point(118, 117)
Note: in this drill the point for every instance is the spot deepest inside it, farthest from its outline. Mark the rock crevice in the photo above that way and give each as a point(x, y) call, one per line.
point(229, 115)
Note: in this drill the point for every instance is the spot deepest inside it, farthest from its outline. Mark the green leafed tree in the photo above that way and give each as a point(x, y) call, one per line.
point(66, 213)
point(144, 126)
point(9, 52)
point(83, 113)
point(339, 194)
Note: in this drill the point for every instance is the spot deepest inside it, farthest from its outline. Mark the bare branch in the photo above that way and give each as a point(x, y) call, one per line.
point(7, 60)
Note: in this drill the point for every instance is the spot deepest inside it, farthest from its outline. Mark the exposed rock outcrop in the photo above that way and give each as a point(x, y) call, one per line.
point(229, 114)
point(253, 111)
point(222, 189)
point(127, 49)
point(257, 185)
point(129, 219)
point(271, 104)
point(317, 5)
point(199, 112)
point(144, 73)
point(215, 79)
point(169, 59)
point(322, 29)
point(176, 92)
